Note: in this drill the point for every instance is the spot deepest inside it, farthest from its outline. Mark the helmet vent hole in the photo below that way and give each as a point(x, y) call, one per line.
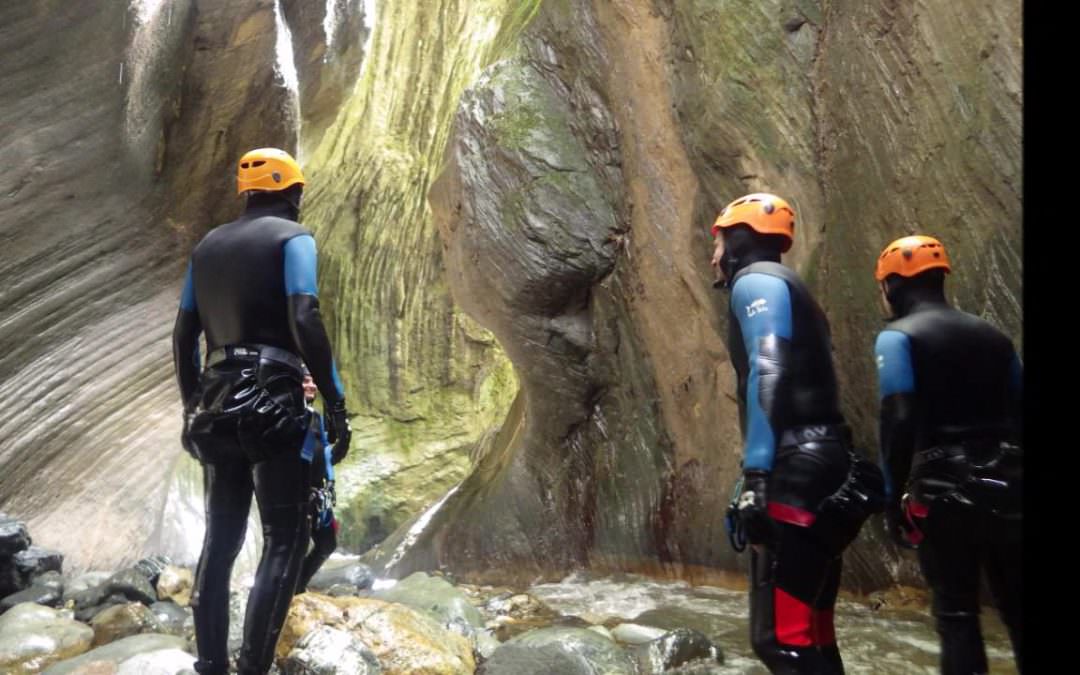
point(936, 254)
point(258, 163)
point(768, 207)
point(907, 255)
point(276, 176)
point(245, 165)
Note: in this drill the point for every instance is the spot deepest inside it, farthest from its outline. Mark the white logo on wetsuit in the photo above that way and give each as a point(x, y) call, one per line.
point(815, 432)
point(757, 307)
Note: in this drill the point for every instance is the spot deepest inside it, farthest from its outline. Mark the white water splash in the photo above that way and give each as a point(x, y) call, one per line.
point(329, 24)
point(417, 528)
point(286, 61)
point(146, 10)
point(370, 8)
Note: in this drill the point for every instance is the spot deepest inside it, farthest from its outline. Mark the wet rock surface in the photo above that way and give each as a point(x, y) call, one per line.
point(139, 654)
point(121, 621)
point(674, 649)
point(174, 619)
point(441, 599)
point(175, 583)
point(33, 637)
point(559, 650)
point(328, 651)
point(342, 573)
point(46, 589)
point(14, 536)
point(403, 639)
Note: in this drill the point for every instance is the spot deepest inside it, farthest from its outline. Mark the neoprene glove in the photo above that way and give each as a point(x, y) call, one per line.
point(338, 431)
point(752, 509)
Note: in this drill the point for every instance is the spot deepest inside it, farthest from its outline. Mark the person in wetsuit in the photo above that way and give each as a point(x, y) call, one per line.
point(251, 289)
point(951, 397)
point(324, 526)
point(798, 464)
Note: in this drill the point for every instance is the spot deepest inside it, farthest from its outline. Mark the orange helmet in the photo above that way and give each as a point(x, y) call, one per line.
point(908, 256)
point(763, 212)
point(267, 169)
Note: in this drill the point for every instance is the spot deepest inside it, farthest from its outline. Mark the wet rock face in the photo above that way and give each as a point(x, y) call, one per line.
point(714, 628)
point(676, 648)
point(534, 209)
point(174, 619)
point(13, 536)
point(120, 138)
point(22, 564)
point(36, 560)
point(559, 650)
point(84, 582)
point(328, 43)
point(437, 597)
point(85, 257)
point(131, 584)
point(529, 209)
point(122, 123)
point(123, 621)
point(403, 640)
point(152, 567)
point(124, 586)
point(353, 575)
point(584, 167)
point(175, 583)
point(47, 589)
point(327, 651)
point(702, 103)
point(136, 654)
point(514, 613)
point(33, 637)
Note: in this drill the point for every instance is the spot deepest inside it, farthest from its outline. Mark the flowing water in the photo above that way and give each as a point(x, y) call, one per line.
point(871, 641)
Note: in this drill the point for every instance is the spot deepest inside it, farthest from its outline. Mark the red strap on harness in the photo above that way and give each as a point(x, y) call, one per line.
point(786, 513)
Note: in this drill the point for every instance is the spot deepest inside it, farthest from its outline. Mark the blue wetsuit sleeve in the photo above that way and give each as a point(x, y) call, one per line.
point(896, 391)
point(762, 305)
point(305, 320)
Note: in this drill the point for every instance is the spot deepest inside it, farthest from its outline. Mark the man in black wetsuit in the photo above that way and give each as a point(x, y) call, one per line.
point(950, 387)
point(805, 494)
point(251, 288)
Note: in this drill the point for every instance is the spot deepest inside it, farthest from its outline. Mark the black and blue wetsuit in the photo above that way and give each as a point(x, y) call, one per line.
point(251, 288)
point(795, 439)
point(951, 393)
point(324, 525)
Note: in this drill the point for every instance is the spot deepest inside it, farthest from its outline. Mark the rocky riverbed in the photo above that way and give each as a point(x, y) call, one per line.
point(138, 620)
